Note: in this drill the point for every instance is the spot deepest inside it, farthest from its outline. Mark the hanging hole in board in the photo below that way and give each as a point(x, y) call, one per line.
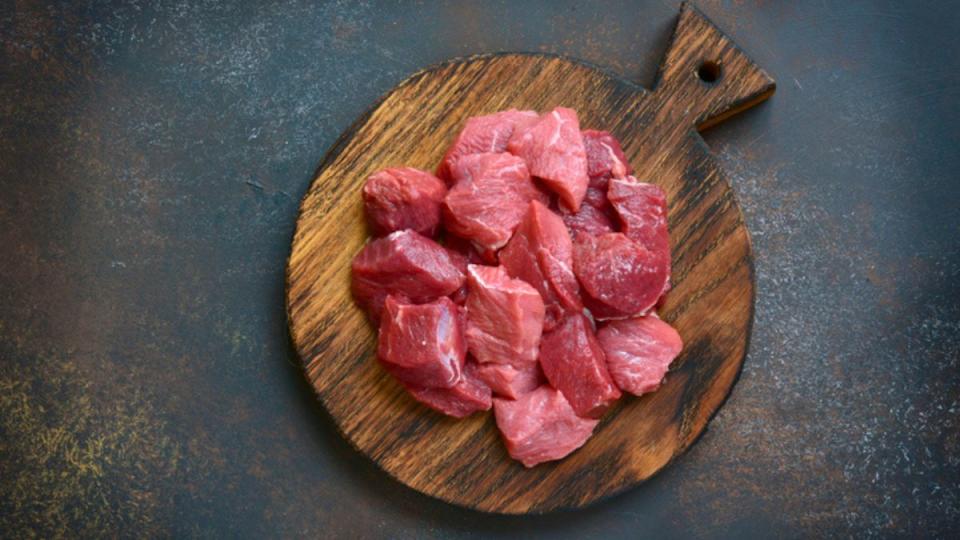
point(709, 71)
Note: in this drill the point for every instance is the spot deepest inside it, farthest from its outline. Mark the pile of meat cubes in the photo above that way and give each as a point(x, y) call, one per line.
point(522, 276)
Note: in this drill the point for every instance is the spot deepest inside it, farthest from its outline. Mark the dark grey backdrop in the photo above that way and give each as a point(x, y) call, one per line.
point(151, 161)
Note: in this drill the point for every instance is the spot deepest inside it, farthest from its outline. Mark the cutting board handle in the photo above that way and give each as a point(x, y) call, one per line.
point(704, 77)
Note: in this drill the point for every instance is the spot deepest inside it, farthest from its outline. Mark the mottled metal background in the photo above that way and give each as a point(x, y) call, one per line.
point(152, 155)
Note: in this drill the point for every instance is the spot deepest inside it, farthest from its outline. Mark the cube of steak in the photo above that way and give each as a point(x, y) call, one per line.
point(468, 396)
point(597, 192)
point(553, 149)
point(404, 263)
point(541, 253)
point(573, 362)
point(589, 219)
point(540, 426)
point(508, 381)
point(642, 209)
point(403, 198)
point(489, 198)
point(422, 344)
point(504, 317)
point(473, 253)
point(619, 277)
point(639, 352)
point(484, 134)
point(604, 155)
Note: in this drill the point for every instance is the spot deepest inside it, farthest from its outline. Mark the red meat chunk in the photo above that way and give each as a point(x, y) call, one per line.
point(620, 278)
point(639, 352)
point(590, 219)
point(468, 396)
point(596, 216)
point(406, 264)
point(504, 317)
point(403, 198)
point(540, 426)
point(461, 261)
point(597, 197)
point(597, 192)
point(604, 155)
point(642, 209)
point(574, 364)
point(541, 253)
point(508, 381)
point(484, 134)
point(490, 196)
point(422, 345)
point(470, 253)
point(553, 149)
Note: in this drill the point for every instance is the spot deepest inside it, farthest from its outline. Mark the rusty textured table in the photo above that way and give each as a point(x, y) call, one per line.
point(151, 161)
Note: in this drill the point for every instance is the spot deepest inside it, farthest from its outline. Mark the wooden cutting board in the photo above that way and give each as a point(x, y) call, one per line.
point(704, 79)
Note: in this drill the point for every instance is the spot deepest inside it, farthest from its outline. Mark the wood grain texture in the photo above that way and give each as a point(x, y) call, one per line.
point(711, 304)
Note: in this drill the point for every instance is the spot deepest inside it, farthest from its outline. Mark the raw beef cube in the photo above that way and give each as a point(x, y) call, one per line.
point(541, 254)
point(596, 215)
point(461, 261)
point(504, 317)
point(490, 196)
point(573, 362)
point(484, 134)
point(620, 278)
point(590, 219)
point(642, 209)
point(422, 344)
point(508, 381)
point(458, 258)
point(404, 263)
point(553, 150)
point(468, 396)
point(597, 191)
point(474, 254)
point(540, 426)
point(403, 198)
point(597, 197)
point(604, 155)
point(639, 352)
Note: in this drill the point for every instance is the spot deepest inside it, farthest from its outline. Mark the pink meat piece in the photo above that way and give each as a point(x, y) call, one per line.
point(642, 209)
point(474, 254)
point(639, 352)
point(467, 396)
point(504, 317)
point(489, 199)
point(540, 426)
point(541, 253)
point(589, 219)
point(553, 149)
point(484, 134)
point(403, 198)
point(574, 363)
point(597, 197)
point(403, 263)
point(597, 191)
point(458, 258)
point(422, 344)
point(461, 261)
point(508, 381)
point(620, 278)
point(604, 155)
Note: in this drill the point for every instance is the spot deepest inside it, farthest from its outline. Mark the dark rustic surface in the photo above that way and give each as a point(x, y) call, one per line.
point(151, 160)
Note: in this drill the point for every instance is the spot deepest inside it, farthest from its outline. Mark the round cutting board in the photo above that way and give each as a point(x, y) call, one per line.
point(704, 79)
